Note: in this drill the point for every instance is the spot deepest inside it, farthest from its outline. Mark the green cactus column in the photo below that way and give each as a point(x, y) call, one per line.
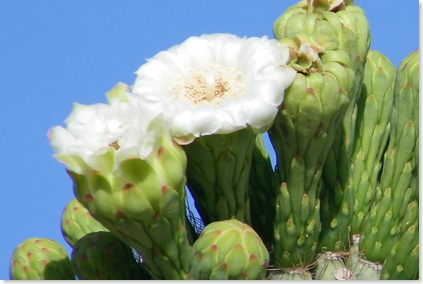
point(217, 173)
point(337, 198)
point(398, 187)
point(324, 53)
point(40, 259)
point(374, 109)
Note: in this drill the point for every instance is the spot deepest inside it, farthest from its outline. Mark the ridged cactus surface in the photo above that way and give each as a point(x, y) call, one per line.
point(337, 196)
point(372, 132)
point(262, 191)
point(390, 217)
point(211, 159)
point(328, 47)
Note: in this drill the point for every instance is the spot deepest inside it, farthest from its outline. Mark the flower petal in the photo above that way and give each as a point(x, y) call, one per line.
point(197, 65)
point(99, 136)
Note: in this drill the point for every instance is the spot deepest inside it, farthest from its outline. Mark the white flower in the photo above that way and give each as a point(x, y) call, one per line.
point(216, 84)
point(99, 136)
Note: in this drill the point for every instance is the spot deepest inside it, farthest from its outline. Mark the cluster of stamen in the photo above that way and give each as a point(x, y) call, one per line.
point(208, 85)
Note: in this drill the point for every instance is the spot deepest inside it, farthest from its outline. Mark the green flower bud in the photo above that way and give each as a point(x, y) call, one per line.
point(228, 250)
point(40, 259)
point(78, 222)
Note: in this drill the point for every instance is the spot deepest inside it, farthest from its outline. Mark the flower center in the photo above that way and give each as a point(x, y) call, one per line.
point(208, 85)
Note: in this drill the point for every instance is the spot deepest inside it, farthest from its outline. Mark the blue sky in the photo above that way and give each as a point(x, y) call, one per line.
point(55, 53)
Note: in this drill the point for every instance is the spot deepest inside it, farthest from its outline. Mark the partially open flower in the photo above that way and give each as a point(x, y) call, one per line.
point(130, 175)
point(98, 136)
point(216, 84)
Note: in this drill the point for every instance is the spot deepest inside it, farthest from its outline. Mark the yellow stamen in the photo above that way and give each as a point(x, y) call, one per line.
point(208, 85)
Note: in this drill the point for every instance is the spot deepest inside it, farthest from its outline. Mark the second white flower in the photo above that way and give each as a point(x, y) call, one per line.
point(216, 84)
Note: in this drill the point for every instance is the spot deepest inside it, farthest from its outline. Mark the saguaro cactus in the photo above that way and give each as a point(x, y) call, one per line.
point(342, 202)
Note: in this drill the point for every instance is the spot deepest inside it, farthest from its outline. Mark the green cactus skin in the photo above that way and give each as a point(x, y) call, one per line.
point(402, 261)
point(217, 173)
point(372, 131)
point(229, 250)
point(103, 256)
point(40, 259)
point(77, 222)
point(303, 127)
point(398, 186)
point(263, 188)
point(143, 203)
point(327, 53)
